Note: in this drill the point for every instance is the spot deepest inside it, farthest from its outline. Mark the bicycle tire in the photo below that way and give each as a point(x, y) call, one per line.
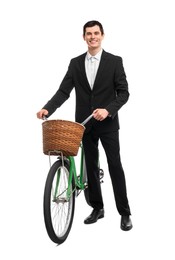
point(56, 204)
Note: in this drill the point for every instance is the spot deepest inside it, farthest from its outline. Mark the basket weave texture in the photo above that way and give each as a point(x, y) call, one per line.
point(61, 135)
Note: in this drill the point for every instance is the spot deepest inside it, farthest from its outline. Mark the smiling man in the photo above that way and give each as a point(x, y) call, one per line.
point(101, 89)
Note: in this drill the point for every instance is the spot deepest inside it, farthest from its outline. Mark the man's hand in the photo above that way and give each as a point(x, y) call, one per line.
point(42, 113)
point(100, 114)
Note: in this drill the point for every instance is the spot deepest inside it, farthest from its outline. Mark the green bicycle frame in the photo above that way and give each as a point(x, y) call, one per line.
point(73, 174)
point(80, 181)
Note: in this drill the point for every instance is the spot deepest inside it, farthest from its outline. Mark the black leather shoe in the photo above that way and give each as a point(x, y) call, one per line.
point(126, 223)
point(94, 216)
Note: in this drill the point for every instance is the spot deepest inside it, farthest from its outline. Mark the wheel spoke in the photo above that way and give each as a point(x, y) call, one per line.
point(60, 210)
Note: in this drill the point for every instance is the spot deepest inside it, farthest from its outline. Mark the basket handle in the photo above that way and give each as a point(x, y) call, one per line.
point(87, 120)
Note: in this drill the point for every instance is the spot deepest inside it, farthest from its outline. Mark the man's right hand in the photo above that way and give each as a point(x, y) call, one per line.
point(42, 113)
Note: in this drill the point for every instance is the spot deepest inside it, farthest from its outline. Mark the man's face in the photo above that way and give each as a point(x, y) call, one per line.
point(93, 37)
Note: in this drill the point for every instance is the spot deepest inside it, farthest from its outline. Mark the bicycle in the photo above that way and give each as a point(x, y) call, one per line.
point(62, 185)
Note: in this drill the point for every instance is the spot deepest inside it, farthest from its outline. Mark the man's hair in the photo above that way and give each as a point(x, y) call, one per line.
point(91, 24)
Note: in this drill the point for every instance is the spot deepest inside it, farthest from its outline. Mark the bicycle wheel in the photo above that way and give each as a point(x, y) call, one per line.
point(58, 206)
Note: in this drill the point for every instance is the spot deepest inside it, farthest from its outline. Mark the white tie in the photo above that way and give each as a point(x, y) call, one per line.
point(93, 70)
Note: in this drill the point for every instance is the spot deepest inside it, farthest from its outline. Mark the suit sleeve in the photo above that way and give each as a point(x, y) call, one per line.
point(62, 94)
point(121, 89)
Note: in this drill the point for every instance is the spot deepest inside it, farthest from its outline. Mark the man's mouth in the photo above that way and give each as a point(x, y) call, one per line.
point(93, 41)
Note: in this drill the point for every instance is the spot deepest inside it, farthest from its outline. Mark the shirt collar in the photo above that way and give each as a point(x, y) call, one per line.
point(97, 56)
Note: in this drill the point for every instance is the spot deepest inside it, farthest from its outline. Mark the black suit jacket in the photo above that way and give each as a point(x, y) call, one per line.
point(110, 91)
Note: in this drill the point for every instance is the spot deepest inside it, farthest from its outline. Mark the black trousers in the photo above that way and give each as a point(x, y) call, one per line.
point(110, 143)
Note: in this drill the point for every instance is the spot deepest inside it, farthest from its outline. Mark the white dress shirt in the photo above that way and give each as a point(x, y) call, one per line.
point(91, 66)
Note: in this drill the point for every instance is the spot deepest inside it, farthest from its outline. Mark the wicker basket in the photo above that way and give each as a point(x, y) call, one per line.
point(61, 135)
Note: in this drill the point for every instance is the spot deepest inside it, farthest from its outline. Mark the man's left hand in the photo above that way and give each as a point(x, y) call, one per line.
point(100, 114)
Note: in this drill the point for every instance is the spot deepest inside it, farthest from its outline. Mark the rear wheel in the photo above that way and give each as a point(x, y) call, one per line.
point(58, 202)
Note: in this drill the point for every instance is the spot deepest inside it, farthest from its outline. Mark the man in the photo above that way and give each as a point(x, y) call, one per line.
point(101, 89)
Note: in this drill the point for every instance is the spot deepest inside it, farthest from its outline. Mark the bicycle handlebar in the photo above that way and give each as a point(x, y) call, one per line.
point(44, 118)
point(83, 123)
point(86, 120)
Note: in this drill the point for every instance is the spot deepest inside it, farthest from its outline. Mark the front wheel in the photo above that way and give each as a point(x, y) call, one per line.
point(59, 202)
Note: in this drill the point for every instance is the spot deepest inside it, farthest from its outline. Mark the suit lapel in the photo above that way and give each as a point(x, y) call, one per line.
point(101, 67)
point(83, 70)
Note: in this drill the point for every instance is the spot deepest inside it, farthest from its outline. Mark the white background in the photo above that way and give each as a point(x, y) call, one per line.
point(37, 41)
